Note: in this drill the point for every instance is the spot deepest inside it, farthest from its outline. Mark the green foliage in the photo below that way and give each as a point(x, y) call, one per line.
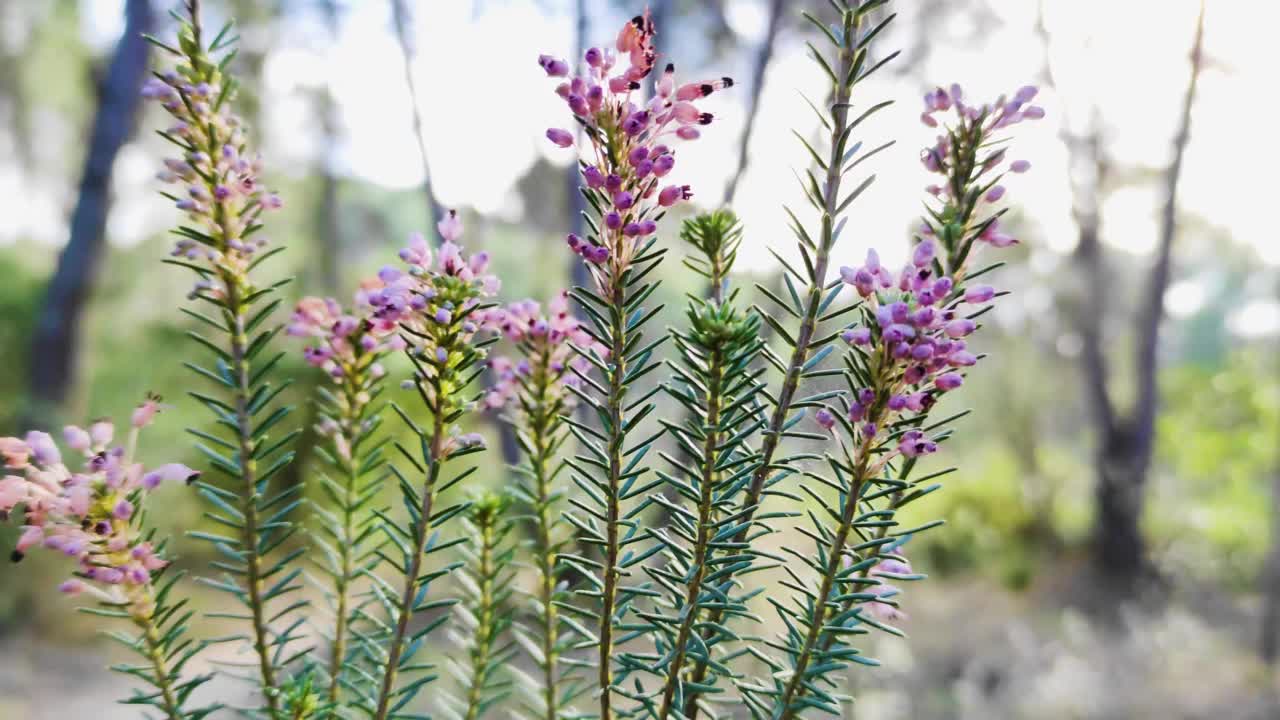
point(257, 565)
point(610, 468)
point(485, 612)
point(162, 640)
point(539, 493)
point(442, 378)
point(346, 531)
point(717, 381)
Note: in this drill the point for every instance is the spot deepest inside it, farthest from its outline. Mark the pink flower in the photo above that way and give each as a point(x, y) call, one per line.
point(172, 472)
point(560, 137)
point(672, 194)
point(145, 413)
point(450, 227)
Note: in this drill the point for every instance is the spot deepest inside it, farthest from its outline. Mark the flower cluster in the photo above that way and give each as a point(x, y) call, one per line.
point(882, 608)
point(915, 338)
point(628, 138)
point(221, 190)
point(547, 342)
point(438, 304)
point(344, 343)
point(89, 514)
point(915, 322)
point(955, 155)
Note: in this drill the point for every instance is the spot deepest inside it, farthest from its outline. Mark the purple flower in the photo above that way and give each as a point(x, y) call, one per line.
point(948, 381)
point(560, 137)
point(979, 293)
point(960, 328)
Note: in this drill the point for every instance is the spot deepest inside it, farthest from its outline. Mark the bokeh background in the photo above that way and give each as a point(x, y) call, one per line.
point(1112, 547)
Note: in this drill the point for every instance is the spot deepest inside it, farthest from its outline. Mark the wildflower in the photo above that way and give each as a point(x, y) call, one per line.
point(605, 103)
point(87, 514)
point(560, 137)
point(825, 419)
point(546, 341)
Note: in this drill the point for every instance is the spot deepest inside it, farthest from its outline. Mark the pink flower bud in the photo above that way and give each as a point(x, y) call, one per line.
point(450, 227)
point(979, 293)
point(959, 328)
point(560, 137)
point(554, 67)
point(76, 438)
point(948, 381)
point(672, 194)
point(172, 472)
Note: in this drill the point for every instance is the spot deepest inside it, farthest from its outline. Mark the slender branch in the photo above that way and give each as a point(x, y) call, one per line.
point(1158, 282)
point(348, 426)
point(481, 651)
point(785, 707)
point(763, 55)
point(422, 531)
point(249, 489)
point(542, 427)
point(617, 421)
point(156, 654)
point(702, 549)
point(404, 36)
point(772, 435)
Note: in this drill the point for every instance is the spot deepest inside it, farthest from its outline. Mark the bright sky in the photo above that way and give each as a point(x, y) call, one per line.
point(486, 105)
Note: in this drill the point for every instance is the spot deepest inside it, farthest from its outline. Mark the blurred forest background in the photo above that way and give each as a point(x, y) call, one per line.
point(1113, 539)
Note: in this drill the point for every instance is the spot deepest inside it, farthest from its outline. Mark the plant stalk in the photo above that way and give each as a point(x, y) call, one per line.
point(406, 604)
point(772, 435)
point(155, 653)
point(484, 628)
point(542, 425)
point(349, 427)
point(249, 505)
point(617, 418)
point(702, 546)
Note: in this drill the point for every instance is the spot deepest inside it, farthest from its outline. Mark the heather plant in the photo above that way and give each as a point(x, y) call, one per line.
point(723, 559)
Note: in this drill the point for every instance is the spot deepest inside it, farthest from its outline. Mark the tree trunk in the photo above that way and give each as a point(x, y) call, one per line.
point(55, 343)
point(763, 55)
point(1269, 642)
point(404, 34)
point(1126, 442)
point(329, 227)
point(1119, 549)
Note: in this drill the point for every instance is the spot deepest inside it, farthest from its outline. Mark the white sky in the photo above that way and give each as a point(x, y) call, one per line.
point(486, 105)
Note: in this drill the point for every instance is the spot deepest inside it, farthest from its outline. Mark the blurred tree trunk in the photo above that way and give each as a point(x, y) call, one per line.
point(55, 342)
point(1269, 643)
point(758, 68)
point(328, 221)
point(1126, 442)
point(404, 35)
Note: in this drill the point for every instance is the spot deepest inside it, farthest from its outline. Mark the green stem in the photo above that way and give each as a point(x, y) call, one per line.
point(249, 488)
point(817, 624)
point(349, 427)
point(772, 435)
point(617, 419)
point(404, 609)
point(542, 424)
point(155, 653)
point(701, 549)
point(484, 620)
